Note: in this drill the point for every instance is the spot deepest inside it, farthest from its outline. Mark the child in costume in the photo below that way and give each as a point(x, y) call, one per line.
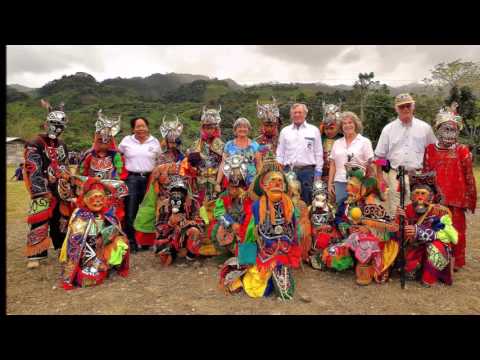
point(367, 231)
point(95, 242)
point(157, 195)
point(429, 232)
point(270, 248)
point(231, 208)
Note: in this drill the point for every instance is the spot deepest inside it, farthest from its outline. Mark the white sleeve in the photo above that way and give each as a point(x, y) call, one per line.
point(381, 150)
point(121, 146)
point(333, 151)
point(281, 148)
point(431, 138)
point(318, 150)
point(368, 150)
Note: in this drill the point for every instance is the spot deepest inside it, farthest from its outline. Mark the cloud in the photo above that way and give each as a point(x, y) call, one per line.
point(246, 64)
point(40, 59)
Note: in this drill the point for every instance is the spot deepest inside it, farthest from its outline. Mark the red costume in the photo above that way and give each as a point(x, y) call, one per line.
point(453, 165)
point(460, 194)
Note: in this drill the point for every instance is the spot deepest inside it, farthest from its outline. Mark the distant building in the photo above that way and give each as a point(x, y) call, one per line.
point(15, 146)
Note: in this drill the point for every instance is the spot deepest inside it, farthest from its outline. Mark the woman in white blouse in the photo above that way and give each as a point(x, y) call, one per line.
point(353, 144)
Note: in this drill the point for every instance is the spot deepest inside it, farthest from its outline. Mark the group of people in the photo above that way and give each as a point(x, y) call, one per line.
point(302, 194)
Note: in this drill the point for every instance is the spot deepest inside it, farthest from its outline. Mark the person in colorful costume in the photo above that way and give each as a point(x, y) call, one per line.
point(232, 207)
point(203, 158)
point(104, 160)
point(447, 157)
point(46, 168)
point(157, 195)
point(95, 242)
point(269, 114)
point(302, 214)
point(367, 231)
point(270, 248)
point(330, 130)
point(429, 232)
point(178, 228)
point(323, 230)
point(171, 142)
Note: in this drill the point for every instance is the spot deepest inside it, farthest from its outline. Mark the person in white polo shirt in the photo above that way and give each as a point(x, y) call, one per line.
point(352, 145)
point(402, 142)
point(300, 150)
point(140, 151)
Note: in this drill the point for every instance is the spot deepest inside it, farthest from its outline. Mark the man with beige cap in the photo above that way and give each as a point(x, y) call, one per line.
point(402, 142)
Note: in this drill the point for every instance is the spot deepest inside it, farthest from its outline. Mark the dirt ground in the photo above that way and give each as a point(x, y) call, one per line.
point(185, 289)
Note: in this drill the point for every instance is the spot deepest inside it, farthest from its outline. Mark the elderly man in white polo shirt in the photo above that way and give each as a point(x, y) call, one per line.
point(402, 142)
point(300, 150)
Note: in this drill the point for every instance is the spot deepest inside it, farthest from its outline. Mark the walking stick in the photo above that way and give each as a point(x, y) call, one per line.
point(402, 260)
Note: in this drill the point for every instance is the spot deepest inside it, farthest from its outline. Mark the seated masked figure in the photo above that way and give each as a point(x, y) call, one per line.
point(270, 248)
point(231, 208)
point(304, 228)
point(323, 231)
point(429, 232)
point(178, 229)
point(157, 195)
point(95, 242)
point(367, 230)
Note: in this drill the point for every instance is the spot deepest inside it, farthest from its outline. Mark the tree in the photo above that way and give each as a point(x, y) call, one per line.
point(379, 111)
point(468, 108)
point(455, 74)
point(362, 86)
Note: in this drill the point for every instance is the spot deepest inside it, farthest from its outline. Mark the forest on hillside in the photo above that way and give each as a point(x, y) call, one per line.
point(184, 95)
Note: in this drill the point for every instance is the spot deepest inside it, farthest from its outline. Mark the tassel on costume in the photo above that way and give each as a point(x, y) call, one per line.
point(32, 250)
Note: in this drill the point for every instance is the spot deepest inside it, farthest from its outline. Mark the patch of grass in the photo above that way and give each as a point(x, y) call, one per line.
point(17, 197)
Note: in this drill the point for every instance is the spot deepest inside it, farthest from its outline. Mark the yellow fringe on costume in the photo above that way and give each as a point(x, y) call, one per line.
point(255, 281)
point(208, 250)
point(390, 252)
point(63, 252)
point(287, 207)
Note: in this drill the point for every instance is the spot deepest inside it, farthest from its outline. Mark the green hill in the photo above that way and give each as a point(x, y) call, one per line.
point(184, 95)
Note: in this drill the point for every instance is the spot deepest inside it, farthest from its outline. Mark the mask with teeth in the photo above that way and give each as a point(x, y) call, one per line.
point(447, 134)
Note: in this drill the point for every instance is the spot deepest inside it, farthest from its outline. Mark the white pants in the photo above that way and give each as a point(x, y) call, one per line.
point(393, 192)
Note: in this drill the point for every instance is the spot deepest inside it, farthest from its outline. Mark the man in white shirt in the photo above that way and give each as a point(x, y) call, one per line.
point(300, 150)
point(402, 142)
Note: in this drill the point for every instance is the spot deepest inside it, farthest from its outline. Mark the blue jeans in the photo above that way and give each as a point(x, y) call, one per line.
point(137, 187)
point(340, 192)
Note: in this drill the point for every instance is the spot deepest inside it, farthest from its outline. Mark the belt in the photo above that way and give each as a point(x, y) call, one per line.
point(296, 168)
point(143, 174)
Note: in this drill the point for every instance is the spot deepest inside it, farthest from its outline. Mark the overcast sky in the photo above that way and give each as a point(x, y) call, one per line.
point(395, 65)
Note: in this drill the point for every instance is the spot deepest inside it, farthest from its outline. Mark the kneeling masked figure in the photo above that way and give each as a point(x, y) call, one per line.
point(95, 242)
point(178, 228)
point(369, 235)
point(270, 248)
point(430, 233)
point(232, 208)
